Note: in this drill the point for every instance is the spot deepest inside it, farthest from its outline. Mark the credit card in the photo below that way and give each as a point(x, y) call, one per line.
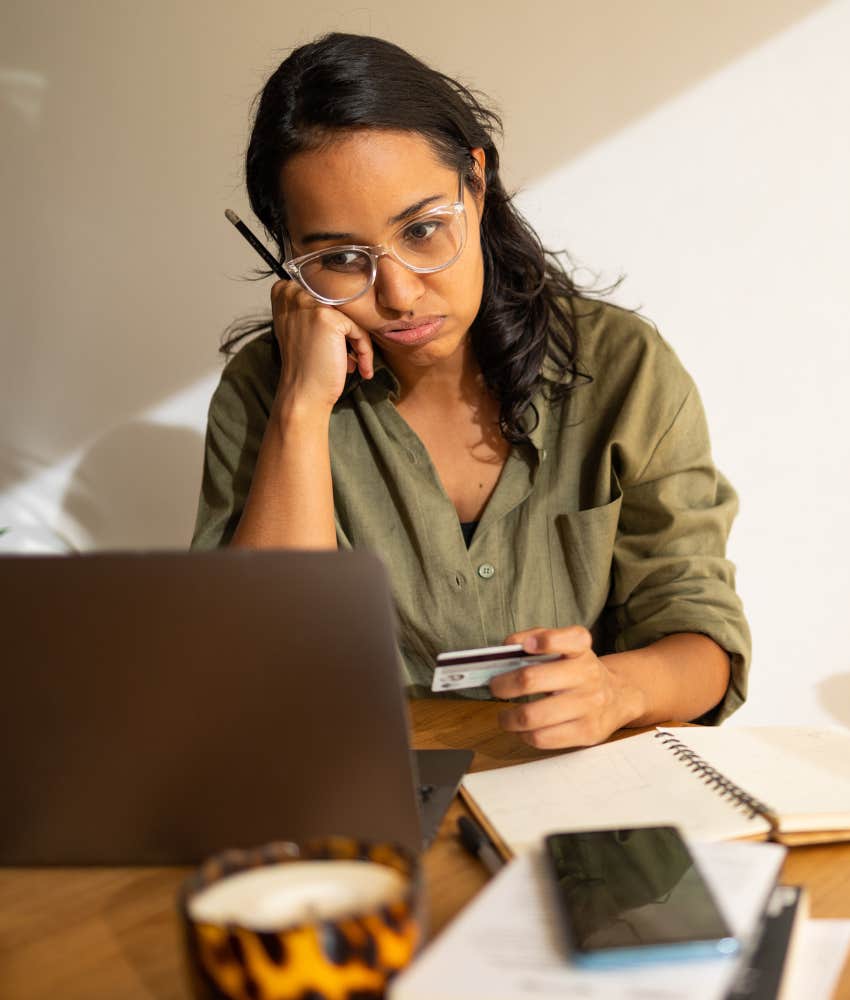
point(513, 649)
point(469, 668)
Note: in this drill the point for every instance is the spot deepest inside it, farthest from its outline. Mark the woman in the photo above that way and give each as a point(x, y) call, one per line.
point(533, 465)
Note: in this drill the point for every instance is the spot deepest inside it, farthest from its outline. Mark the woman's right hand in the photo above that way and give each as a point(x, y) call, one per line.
point(313, 340)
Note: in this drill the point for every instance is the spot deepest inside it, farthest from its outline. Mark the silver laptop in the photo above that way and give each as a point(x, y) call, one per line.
point(160, 707)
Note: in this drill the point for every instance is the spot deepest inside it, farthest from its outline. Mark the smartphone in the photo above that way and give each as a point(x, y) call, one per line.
point(633, 896)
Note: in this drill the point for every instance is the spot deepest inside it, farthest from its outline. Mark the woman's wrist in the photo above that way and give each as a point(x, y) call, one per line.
point(632, 698)
point(293, 412)
point(674, 679)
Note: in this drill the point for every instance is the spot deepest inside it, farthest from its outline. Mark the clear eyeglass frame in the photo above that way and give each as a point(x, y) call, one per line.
point(293, 265)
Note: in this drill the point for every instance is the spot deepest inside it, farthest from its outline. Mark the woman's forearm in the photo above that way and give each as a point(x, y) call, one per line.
point(290, 503)
point(677, 678)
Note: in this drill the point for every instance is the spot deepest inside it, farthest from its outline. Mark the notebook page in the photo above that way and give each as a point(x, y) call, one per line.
point(507, 944)
point(817, 959)
point(631, 782)
point(801, 773)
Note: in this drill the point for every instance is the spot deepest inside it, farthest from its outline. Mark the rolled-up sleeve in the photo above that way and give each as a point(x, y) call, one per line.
point(236, 422)
point(670, 572)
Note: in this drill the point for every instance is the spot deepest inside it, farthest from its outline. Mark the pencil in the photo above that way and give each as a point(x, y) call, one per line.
point(273, 264)
point(255, 243)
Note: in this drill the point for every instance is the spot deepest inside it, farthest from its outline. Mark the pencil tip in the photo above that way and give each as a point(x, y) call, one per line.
point(231, 216)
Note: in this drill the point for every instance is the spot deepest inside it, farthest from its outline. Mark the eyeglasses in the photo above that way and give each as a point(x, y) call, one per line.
point(430, 242)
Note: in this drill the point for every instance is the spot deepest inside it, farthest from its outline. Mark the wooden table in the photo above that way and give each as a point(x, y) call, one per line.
point(110, 933)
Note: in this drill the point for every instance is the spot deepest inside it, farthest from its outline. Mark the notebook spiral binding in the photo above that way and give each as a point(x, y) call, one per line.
point(715, 779)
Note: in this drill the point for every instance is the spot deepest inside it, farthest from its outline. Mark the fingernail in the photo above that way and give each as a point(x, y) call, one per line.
point(530, 645)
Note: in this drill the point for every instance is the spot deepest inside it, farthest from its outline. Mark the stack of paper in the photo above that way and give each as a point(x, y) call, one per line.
point(817, 960)
point(508, 942)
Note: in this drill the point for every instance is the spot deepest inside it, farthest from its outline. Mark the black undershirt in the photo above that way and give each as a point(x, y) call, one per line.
point(468, 529)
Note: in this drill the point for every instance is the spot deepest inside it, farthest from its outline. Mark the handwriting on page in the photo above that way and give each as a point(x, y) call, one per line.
point(632, 782)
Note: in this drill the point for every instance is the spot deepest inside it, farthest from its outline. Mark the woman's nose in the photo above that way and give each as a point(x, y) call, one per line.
point(397, 287)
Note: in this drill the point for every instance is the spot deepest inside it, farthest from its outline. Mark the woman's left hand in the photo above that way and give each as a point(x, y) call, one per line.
point(587, 699)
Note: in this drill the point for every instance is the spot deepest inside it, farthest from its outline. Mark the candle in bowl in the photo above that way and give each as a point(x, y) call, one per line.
point(335, 917)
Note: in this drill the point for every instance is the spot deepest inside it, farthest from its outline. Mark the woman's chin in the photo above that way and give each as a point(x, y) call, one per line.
point(429, 352)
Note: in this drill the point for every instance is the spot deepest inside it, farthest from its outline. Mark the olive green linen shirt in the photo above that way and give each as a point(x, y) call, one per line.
point(614, 517)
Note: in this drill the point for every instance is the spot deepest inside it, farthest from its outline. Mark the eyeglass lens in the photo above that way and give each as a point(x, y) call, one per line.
point(428, 243)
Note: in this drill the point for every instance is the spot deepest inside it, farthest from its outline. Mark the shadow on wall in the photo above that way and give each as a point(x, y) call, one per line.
point(138, 487)
point(577, 73)
point(84, 122)
point(834, 696)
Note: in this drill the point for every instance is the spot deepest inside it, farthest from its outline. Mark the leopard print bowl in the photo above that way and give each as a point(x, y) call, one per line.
point(351, 958)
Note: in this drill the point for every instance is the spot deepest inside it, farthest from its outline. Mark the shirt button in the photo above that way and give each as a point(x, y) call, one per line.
point(485, 571)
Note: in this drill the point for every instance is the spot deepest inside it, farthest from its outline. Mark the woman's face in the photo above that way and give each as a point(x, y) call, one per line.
point(352, 188)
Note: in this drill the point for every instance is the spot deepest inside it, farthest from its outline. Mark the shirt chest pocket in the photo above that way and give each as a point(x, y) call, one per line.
point(581, 550)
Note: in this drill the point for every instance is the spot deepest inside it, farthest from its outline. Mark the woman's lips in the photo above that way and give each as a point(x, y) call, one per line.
point(416, 334)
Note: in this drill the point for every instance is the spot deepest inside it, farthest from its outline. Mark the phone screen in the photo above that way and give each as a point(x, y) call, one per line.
point(634, 889)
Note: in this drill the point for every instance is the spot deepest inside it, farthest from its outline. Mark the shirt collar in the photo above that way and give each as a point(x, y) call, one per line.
point(552, 375)
point(385, 381)
point(534, 420)
point(383, 377)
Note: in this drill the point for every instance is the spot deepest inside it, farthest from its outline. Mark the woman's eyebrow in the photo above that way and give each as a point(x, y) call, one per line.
point(414, 209)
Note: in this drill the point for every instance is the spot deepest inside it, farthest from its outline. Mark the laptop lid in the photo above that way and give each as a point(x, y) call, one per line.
point(160, 707)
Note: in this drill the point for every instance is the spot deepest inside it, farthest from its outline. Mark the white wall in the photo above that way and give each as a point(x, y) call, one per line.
point(701, 148)
point(729, 209)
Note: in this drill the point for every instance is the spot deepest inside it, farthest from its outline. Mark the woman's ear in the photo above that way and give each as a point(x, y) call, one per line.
point(479, 159)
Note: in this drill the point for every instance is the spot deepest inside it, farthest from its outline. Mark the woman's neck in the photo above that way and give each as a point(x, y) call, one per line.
point(449, 383)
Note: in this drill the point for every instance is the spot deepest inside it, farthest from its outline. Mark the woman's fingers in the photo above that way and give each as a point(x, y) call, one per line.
point(358, 342)
point(538, 678)
point(361, 344)
point(565, 706)
point(581, 732)
point(320, 345)
point(572, 641)
point(582, 706)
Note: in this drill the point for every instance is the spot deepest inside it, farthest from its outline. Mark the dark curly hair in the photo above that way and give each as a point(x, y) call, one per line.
point(342, 82)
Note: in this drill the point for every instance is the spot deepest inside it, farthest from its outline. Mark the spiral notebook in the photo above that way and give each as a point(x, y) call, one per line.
point(775, 782)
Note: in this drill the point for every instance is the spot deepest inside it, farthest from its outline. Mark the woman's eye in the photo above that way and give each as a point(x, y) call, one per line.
point(342, 260)
point(424, 230)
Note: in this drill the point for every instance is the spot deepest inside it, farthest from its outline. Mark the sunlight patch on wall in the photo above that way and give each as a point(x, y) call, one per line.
point(132, 486)
point(727, 210)
point(23, 91)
